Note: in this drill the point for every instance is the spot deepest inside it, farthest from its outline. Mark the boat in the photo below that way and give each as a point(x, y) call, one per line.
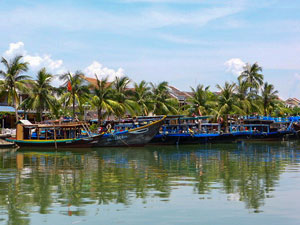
point(262, 128)
point(134, 132)
point(53, 135)
point(179, 129)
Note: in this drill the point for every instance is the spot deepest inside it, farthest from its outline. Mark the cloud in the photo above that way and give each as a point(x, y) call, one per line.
point(235, 66)
point(38, 17)
point(15, 49)
point(36, 62)
point(98, 69)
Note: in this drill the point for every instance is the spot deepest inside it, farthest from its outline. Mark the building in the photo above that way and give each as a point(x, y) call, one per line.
point(292, 102)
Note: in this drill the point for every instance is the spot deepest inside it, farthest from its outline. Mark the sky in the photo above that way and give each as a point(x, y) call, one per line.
point(185, 42)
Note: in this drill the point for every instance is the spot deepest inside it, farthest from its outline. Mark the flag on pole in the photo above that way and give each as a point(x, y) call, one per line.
point(69, 86)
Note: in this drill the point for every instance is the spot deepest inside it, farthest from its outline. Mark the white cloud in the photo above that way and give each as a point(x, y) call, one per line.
point(235, 66)
point(101, 71)
point(15, 49)
point(36, 62)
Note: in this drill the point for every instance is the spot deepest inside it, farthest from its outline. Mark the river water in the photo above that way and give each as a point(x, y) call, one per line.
point(244, 183)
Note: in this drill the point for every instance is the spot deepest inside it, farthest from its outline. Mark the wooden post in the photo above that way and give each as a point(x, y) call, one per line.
point(55, 144)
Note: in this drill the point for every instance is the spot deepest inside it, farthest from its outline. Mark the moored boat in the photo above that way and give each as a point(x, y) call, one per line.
point(190, 130)
point(262, 129)
point(53, 135)
point(134, 133)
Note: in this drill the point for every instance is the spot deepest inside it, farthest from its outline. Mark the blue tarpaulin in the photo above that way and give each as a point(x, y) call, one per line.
point(9, 109)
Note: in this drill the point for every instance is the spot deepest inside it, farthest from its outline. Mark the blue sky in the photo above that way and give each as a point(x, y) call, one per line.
point(184, 42)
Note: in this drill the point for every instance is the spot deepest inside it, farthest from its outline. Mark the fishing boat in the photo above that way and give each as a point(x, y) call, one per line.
point(53, 135)
point(189, 130)
point(262, 128)
point(131, 132)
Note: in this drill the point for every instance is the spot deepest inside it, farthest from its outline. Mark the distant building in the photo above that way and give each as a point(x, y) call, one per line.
point(181, 96)
point(292, 102)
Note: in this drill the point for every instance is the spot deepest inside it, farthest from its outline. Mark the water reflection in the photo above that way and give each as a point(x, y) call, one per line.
point(67, 182)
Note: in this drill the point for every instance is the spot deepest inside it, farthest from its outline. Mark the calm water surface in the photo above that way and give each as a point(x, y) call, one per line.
point(210, 184)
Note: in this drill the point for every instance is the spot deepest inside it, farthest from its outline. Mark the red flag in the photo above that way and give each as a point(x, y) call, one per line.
point(69, 86)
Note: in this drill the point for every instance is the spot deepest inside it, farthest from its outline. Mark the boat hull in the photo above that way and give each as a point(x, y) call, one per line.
point(132, 138)
point(60, 143)
point(267, 136)
point(181, 139)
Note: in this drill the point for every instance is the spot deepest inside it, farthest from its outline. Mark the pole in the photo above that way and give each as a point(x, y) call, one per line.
point(55, 144)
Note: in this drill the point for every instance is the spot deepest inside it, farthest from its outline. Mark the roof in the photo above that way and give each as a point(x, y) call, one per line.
point(8, 109)
point(293, 99)
point(25, 122)
point(178, 93)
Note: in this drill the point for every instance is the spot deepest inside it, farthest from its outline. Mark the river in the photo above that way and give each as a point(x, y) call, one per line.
point(243, 183)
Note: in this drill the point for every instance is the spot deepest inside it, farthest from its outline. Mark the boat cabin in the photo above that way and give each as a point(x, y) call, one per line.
point(28, 131)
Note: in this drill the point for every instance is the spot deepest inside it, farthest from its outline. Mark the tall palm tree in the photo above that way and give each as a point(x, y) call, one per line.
point(142, 96)
point(269, 98)
point(75, 90)
point(103, 98)
point(41, 95)
point(162, 102)
point(14, 82)
point(252, 76)
point(123, 94)
point(201, 101)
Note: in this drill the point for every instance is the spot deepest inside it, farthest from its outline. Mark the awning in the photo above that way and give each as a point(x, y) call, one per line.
point(9, 109)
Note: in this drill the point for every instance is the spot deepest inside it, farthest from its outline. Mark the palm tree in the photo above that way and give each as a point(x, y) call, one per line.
point(103, 98)
point(252, 76)
point(41, 95)
point(201, 100)
point(269, 98)
point(13, 81)
point(227, 101)
point(122, 94)
point(75, 89)
point(162, 102)
point(244, 98)
point(142, 96)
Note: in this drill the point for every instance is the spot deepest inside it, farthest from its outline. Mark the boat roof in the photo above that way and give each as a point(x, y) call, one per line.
point(45, 126)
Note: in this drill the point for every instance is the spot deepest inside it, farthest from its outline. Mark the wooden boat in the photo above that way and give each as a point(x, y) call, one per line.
point(189, 130)
point(133, 133)
point(53, 135)
point(262, 129)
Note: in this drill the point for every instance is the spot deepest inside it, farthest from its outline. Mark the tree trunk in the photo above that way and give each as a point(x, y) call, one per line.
point(99, 116)
point(17, 115)
point(16, 109)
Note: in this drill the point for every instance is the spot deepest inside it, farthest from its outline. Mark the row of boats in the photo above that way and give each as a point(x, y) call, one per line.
point(156, 130)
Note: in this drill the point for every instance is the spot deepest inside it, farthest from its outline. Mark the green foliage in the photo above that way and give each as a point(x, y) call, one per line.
point(249, 95)
point(94, 127)
point(14, 81)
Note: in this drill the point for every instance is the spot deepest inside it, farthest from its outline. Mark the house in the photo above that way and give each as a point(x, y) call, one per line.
point(292, 102)
point(181, 96)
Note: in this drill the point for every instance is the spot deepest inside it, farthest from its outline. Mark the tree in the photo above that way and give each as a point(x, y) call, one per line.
point(162, 102)
point(13, 81)
point(103, 98)
point(75, 90)
point(252, 76)
point(201, 101)
point(142, 96)
point(41, 95)
point(269, 98)
point(123, 94)
point(227, 102)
